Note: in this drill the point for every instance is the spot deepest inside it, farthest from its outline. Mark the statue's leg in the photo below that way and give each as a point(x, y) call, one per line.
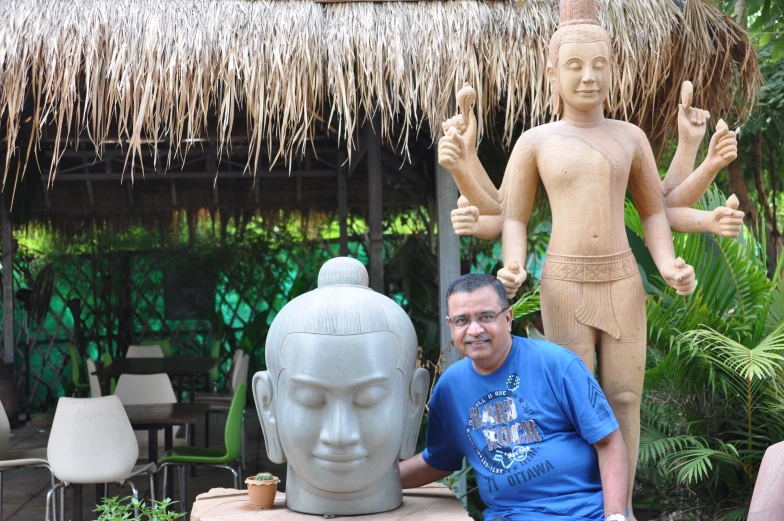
point(622, 366)
point(559, 300)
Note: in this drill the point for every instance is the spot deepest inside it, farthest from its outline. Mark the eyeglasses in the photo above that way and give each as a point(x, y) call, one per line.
point(485, 319)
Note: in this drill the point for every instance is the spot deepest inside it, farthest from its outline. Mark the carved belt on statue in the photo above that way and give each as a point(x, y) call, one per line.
point(590, 269)
point(596, 305)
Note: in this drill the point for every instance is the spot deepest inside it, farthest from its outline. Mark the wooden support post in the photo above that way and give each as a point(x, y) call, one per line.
point(375, 211)
point(342, 203)
point(448, 250)
point(8, 286)
point(448, 268)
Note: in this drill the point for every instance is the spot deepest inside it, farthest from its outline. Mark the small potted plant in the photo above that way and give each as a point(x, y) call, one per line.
point(261, 489)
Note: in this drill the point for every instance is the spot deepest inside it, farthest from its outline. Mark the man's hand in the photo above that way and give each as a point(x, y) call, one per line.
point(679, 276)
point(723, 147)
point(512, 278)
point(727, 220)
point(465, 219)
point(691, 120)
point(458, 146)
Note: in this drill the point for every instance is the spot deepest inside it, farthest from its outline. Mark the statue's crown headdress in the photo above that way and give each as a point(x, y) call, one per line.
point(579, 23)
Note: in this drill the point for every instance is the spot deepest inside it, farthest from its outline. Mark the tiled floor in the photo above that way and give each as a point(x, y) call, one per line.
point(24, 490)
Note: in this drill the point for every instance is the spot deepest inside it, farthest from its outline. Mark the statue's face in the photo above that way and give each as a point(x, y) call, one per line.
point(341, 408)
point(583, 74)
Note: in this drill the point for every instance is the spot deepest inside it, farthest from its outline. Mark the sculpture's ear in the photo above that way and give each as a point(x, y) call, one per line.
point(415, 406)
point(265, 408)
point(555, 99)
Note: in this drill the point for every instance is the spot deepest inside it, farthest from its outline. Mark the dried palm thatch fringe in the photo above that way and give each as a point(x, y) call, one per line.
point(156, 69)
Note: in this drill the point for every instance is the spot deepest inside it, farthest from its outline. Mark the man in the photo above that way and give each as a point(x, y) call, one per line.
point(528, 416)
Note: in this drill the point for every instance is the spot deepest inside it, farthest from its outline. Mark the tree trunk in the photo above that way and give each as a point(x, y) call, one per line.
point(738, 187)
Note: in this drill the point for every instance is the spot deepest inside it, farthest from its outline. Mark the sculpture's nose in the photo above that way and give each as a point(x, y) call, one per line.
point(340, 427)
point(590, 75)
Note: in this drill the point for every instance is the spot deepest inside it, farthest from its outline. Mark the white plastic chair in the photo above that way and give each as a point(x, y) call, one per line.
point(151, 351)
point(95, 385)
point(13, 460)
point(221, 402)
point(92, 441)
point(133, 389)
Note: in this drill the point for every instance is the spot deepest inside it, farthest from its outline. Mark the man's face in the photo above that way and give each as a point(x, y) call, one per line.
point(341, 408)
point(485, 344)
point(583, 73)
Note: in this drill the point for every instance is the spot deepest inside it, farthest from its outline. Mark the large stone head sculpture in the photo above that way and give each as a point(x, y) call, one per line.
point(579, 29)
point(342, 398)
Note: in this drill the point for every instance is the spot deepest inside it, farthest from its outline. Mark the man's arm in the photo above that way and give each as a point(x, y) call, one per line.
point(614, 470)
point(415, 472)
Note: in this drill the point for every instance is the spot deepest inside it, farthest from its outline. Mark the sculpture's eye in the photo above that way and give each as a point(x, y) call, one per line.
point(309, 397)
point(599, 65)
point(370, 396)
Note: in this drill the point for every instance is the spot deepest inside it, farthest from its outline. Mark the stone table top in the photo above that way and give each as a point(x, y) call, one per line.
point(433, 502)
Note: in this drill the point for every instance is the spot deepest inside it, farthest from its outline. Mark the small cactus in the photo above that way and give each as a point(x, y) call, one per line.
point(263, 476)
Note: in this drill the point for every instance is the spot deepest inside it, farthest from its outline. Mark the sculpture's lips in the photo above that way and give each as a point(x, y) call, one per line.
point(341, 457)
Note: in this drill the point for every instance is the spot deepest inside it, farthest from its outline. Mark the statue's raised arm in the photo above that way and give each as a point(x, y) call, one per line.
point(683, 186)
point(457, 153)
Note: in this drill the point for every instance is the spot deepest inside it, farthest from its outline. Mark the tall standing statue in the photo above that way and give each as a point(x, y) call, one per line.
point(341, 399)
point(592, 296)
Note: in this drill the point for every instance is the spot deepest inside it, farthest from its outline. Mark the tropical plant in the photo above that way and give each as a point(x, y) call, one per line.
point(122, 509)
point(715, 380)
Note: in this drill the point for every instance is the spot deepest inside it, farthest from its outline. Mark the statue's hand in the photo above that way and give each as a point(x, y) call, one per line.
point(458, 145)
point(679, 276)
point(723, 147)
point(465, 219)
point(727, 220)
point(691, 120)
point(512, 278)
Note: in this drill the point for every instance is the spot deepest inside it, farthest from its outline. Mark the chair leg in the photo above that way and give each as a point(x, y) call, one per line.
point(136, 497)
point(243, 443)
point(207, 430)
point(151, 475)
point(1, 496)
point(62, 503)
point(50, 507)
point(165, 476)
point(183, 498)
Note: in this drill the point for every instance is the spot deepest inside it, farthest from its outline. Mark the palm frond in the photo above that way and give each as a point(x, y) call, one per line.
point(734, 514)
point(527, 304)
point(696, 464)
point(762, 361)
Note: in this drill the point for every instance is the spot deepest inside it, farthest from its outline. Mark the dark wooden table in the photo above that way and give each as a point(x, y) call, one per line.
point(149, 417)
point(175, 366)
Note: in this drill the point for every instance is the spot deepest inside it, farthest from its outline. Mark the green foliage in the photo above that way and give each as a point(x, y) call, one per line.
point(711, 393)
point(263, 476)
point(122, 509)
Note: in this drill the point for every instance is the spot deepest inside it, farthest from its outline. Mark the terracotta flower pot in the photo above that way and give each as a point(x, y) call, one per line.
point(262, 493)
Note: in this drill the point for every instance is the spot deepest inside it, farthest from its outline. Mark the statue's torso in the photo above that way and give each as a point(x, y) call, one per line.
point(585, 172)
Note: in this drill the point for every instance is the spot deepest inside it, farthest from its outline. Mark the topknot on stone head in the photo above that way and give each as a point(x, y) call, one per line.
point(578, 12)
point(342, 271)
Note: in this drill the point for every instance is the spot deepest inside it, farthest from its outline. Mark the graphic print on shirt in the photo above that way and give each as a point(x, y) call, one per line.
point(502, 428)
point(597, 400)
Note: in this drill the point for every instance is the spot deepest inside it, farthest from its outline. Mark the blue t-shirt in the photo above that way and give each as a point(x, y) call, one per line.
point(527, 429)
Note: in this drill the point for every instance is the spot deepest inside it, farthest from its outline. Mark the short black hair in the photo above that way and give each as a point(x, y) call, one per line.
point(471, 282)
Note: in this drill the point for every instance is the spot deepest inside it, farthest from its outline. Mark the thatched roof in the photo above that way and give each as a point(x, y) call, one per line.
point(141, 70)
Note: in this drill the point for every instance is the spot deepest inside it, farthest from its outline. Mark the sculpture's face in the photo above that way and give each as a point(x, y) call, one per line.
point(583, 74)
point(341, 408)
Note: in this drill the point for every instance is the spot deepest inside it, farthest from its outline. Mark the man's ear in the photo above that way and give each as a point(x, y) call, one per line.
point(415, 406)
point(265, 408)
